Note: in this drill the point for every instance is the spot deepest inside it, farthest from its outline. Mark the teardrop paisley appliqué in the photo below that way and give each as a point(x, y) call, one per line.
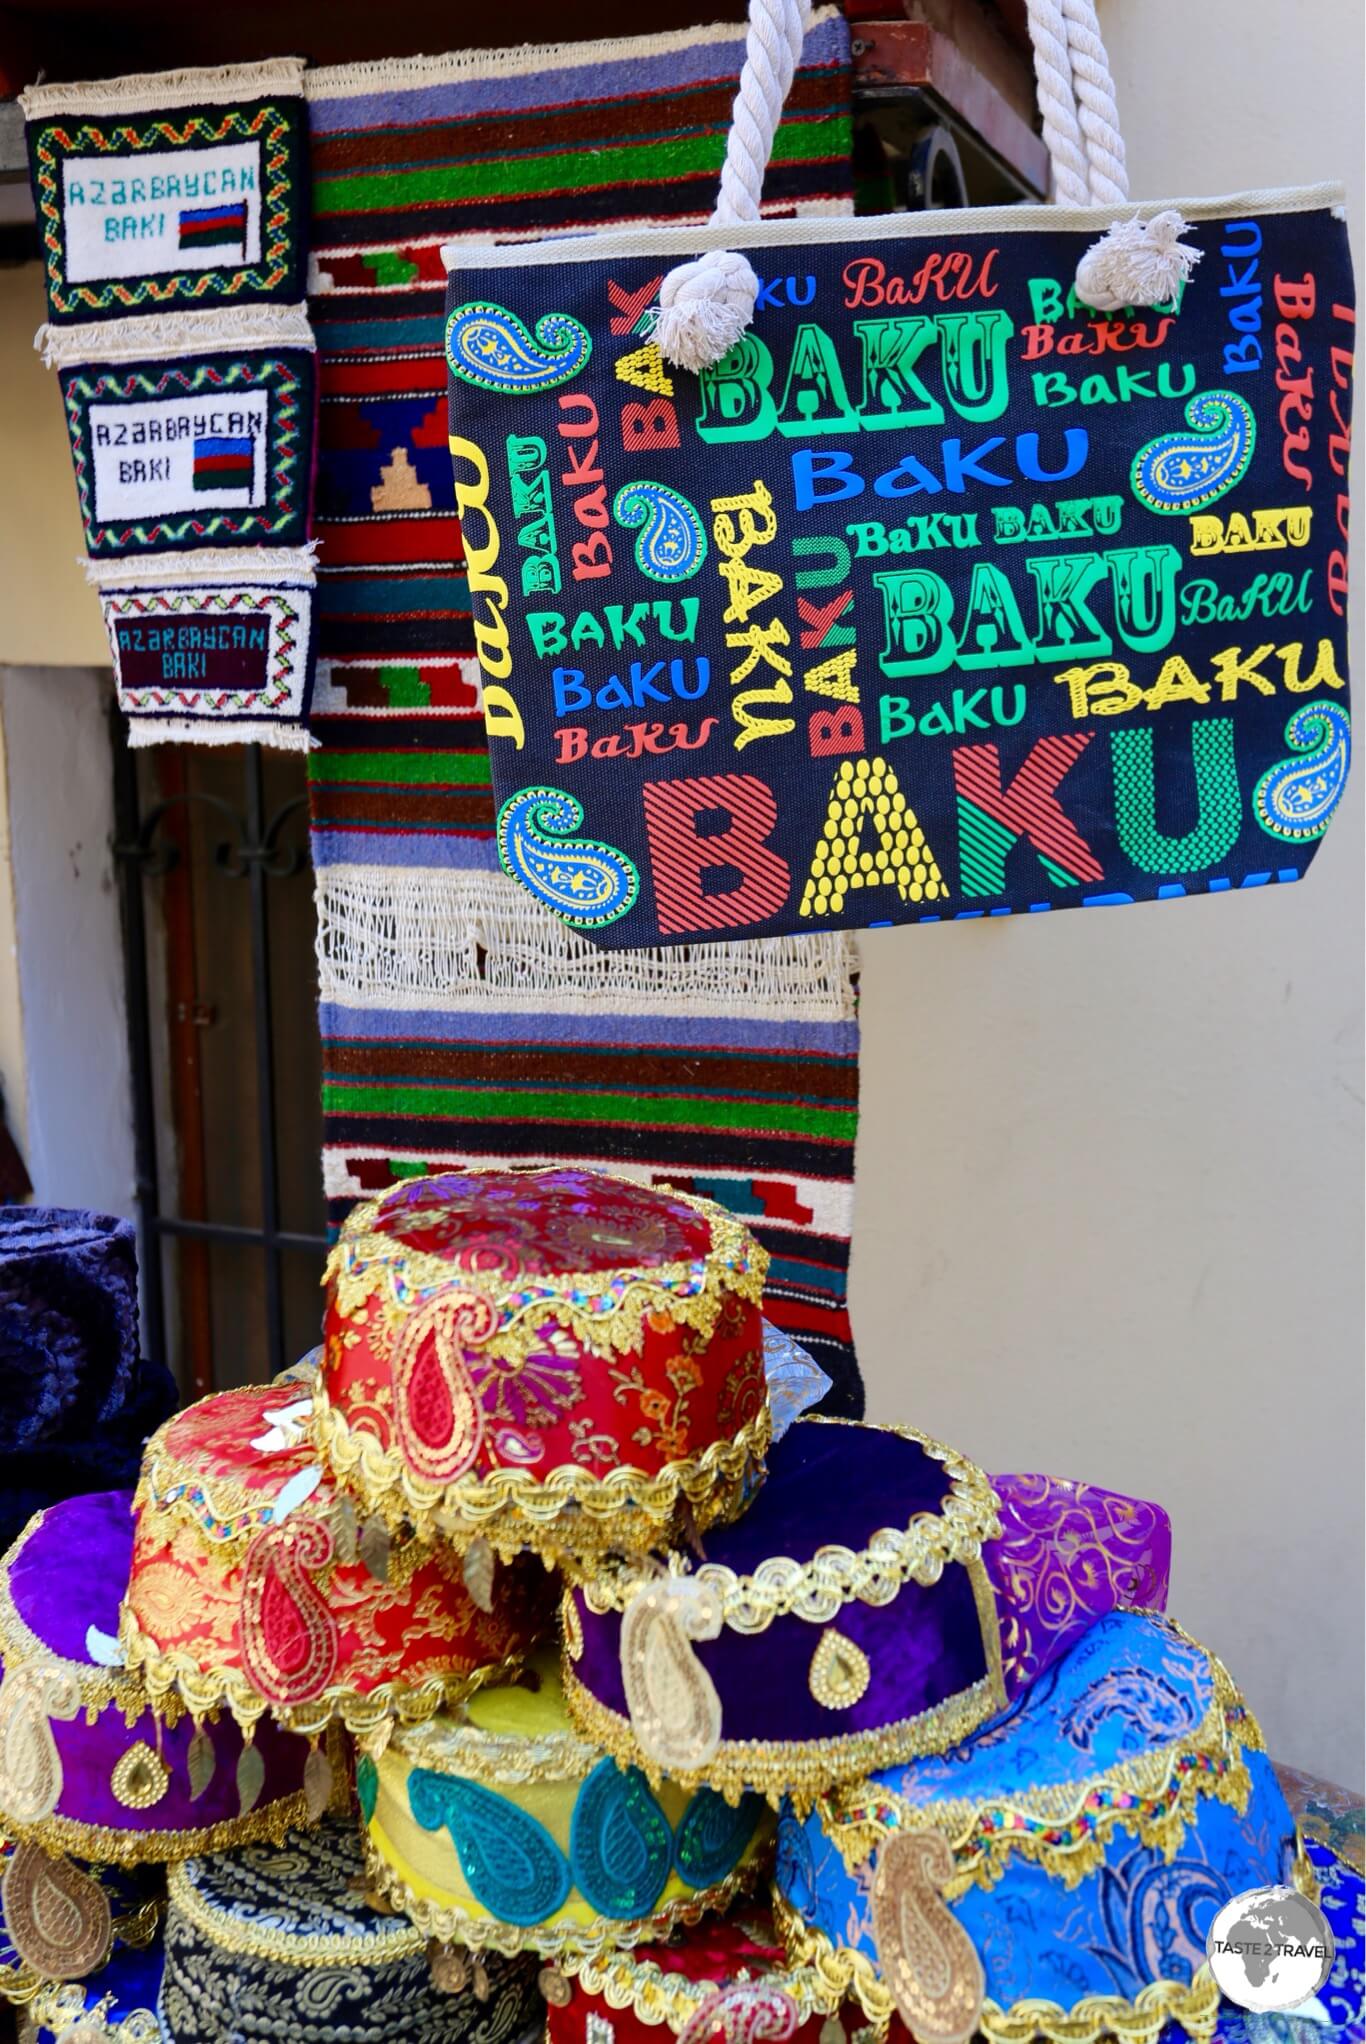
point(928, 1960)
point(671, 541)
point(620, 1843)
point(488, 346)
point(289, 1637)
point(1296, 798)
point(674, 1706)
point(513, 1865)
point(585, 882)
point(30, 1764)
point(712, 1836)
point(747, 2012)
point(58, 1918)
point(437, 1416)
point(840, 1671)
point(1180, 472)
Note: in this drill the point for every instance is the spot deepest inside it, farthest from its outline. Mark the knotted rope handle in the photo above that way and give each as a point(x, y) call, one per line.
point(705, 305)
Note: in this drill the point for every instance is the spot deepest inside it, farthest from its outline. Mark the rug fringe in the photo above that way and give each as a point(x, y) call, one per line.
point(200, 332)
point(151, 91)
point(421, 938)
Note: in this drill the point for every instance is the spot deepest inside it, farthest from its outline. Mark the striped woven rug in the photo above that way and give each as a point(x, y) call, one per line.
point(460, 1022)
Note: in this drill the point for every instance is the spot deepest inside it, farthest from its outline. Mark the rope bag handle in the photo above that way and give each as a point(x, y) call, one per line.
point(705, 305)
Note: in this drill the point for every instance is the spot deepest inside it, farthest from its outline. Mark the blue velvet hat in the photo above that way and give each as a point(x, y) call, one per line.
point(1057, 1873)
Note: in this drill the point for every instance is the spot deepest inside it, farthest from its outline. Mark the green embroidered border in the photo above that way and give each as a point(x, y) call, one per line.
point(277, 275)
point(287, 378)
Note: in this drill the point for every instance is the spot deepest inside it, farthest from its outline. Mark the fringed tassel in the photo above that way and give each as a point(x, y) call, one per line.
point(1137, 262)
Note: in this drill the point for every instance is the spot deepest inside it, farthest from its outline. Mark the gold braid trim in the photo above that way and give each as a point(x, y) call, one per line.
point(58, 2008)
point(181, 1676)
point(98, 1687)
point(497, 1759)
point(562, 1516)
point(625, 1982)
point(608, 1306)
point(818, 1589)
point(1154, 1796)
point(799, 1768)
point(396, 1940)
point(845, 1973)
point(570, 1944)
point(140, 1848)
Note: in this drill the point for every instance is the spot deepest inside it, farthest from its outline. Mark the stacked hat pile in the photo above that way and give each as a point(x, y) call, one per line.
point(77, 1400)
point(613, 1649)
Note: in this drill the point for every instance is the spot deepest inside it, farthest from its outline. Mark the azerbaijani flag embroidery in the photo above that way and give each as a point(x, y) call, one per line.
point(214, 226)
point(223, 463)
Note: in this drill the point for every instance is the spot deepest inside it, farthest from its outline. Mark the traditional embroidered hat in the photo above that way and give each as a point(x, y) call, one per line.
point(557, 1359)
point(844, 1623)
point(725, 1978)
point(506, 1830)
point(901, 1595)
point(252, 1586)
point(48, 1939)
point(1056, 1875)
point(120, 2001)
point(1068, 1553)
point(87, 1765)
point(279, 1942)
point(68, 1321)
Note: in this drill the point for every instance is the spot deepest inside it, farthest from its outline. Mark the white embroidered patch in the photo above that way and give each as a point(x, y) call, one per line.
point(167, 211)
point(178, 454)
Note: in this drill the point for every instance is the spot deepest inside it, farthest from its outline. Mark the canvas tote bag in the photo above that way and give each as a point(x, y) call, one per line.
point(837, 573)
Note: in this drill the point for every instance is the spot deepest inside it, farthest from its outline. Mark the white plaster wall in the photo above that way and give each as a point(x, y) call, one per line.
point(78, 1117)
point(1110, 1163)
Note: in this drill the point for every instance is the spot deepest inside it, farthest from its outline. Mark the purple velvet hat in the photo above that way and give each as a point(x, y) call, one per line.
point(881, 1596)
point(846, 1617)
point(86, 1766)
point(68, 1321)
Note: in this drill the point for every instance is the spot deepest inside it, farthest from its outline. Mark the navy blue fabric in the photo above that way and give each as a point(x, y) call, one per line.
point(1029, 574)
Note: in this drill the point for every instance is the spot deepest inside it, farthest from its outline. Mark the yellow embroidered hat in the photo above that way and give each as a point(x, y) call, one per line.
point(503, 1829)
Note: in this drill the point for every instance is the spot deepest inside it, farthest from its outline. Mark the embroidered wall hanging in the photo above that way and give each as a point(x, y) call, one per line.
point(175, 239)
point(214, 658)
point(161, 192)
point(461, 1022)
point(941, 594)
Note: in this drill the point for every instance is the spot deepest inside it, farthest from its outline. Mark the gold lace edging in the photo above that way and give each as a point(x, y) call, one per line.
point(816, 1590)
point(626, 1982)
point(201, 1690)
point(367, 1264)
point(97, 1687)
point(571, 1945)
point(227, 1933)
point(98, 1842)
point(1153, 1797)
point(845, 1973)
point(567, 1514)
point(801, 1769)
point(470, 1752)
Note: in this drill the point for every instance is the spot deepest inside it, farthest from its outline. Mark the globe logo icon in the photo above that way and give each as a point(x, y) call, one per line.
point(1270, 1949)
